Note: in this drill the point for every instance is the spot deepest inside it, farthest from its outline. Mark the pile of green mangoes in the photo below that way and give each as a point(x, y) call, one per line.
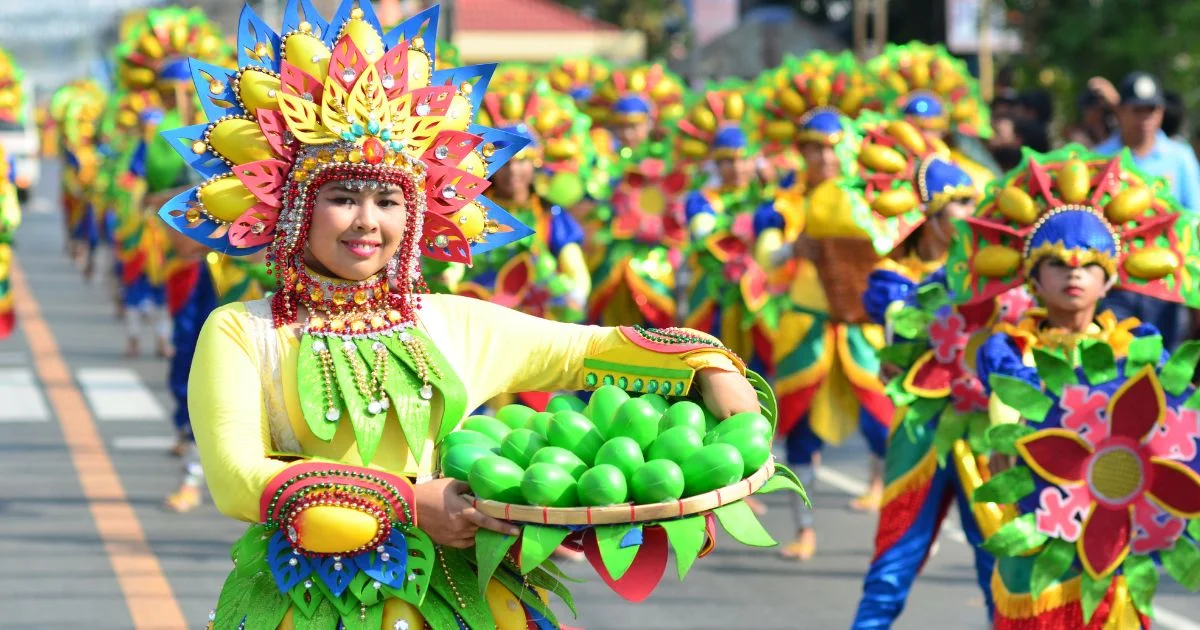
point(615, 449)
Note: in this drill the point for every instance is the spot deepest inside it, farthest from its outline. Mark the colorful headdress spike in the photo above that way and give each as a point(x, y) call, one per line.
point(577, 78)
point(717, 124)
point(805, 98)
point(12, 90)
point(160, 44)
point(559, 132)
point(341, 100)
point(931, 88)
point(1082, 209)
point(640, 93)
point(514, 77)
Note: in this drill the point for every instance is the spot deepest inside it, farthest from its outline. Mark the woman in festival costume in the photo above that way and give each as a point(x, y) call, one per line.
point(726, 287)
point(14, 102)
point(933, 90)
point(82, 160)
point(159, 281)
point(319, 413)
point(10, 220)
point(934, 456)
point(815, 241)
point(637, 104)
point(1092, 421)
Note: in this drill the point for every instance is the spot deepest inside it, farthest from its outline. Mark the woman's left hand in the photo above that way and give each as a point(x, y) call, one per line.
point(726, 393)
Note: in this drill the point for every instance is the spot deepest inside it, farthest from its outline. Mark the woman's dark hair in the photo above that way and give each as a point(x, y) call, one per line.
point(1033, 134)
point(1040, 103)
point(1174, 113)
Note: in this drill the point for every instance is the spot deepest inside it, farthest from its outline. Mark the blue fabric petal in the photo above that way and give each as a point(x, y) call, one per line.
point(507, 145)
point(884, 287)
point(207, 164)
point(999, 355)
point(207, 232)
point(137, 161)
point(632, 538)
point(564, 230)
point(516, 230)
point(343, 15)
point(419, 25)
point(337, 579)
point(297, 11)
point(252, 30)
point(223, 103)
point(479, 74)
point(280, 558)
point(767, 217)
point(392, 571)
point(697, 203)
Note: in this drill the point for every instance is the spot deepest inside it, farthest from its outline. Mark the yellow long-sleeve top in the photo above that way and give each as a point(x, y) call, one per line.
point(245, 406)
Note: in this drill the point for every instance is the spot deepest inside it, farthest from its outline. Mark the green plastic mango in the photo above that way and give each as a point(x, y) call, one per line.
point(713, 466)
point(675, 444)
point(515, 416)
point(754, 447)
point(458, 461)
point(623, 453)
point(488, 426)
point(602, 407)
point(495, 478)
point(539, 423)
point(710, 421)
point(467, 436)
point(547, 485)
point(560, 457)
point(684, 413)
point(637, 419)
point(521, 445)
point(565, 402)
point(573, 431)
point(657, 481)
point(750, 420)
point(656, 401)
point(603, 485)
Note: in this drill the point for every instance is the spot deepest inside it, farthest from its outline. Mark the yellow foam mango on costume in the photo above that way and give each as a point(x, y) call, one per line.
point(334, 529)
point(819, 90)
point(259, 90)
point(396, 610)
point(1129, 204)
point(881, 158)
point(307, 53)
point(458, 117)
point(895, 202)
point(780, 130)
point(1073, 181)
point(420, 66)
point(226, 198)
point(792, 101)
point(693, 148)
point(997, 261)
point(240, 141)
point(830, 213)
point(945, 83)
point(735, 106)
point(471, 219)
point(852, 99)
point(369, 43)
point(1151, 263)
point(1017, 205)
point(507, 611)
point(473, 164)
point(703, 118)
point(561, 148)
point(908, 135)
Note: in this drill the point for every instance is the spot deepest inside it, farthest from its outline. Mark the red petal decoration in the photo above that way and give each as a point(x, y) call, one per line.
point(1105, 540)
point(438, 97)
point(675, 183)
point(931, 378)
point(754, 288)
point(646, 571)
point(264, 179)
point(1058, 455)
point(466, 187)
point(298, 83)
point(1175, 487)
point(346, 55)
point(395, 63)
point(513, 281)
point(453, 246)
point(245, 231)
point(273, 127)
point(458, 143)
point(1137, 406)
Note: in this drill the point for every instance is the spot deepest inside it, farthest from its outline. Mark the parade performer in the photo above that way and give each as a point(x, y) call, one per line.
point(318, 413)
point(637, 104)
point(10, 220)
point(817, 241)
point(934, 91)
point(79, 125)
point(1086, 409)
point(14, 103)
point(726, 287)
point(933, 456)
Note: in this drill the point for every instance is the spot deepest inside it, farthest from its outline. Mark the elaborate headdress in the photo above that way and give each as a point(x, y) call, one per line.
point(159, 44)
point(1083, 209)
point(902, 171)
point(640, 93)
point(931, 88)
point(12, 90)
point(577, 78)
point(333, 101)
point(717, 123)
point(808, 98)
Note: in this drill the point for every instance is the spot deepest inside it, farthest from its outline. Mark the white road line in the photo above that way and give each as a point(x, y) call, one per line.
point(143, 443)
point(21, 398)
point(1163, 618)
point(118, 394)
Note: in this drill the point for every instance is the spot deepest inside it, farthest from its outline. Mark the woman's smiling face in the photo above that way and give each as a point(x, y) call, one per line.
point(355, 229)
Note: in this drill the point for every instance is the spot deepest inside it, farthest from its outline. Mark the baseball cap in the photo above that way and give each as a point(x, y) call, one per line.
point(1140, 88)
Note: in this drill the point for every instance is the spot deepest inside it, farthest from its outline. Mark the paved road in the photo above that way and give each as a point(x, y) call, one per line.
point(83, 542)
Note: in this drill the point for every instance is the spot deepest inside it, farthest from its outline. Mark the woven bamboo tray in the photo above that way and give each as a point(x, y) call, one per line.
point(843, 265)
point(627, 512)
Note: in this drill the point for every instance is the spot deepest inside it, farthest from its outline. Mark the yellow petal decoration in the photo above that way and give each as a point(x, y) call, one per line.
point(1017, 205)
point(240, 141)
point(259, 90)
point(304, 120)
point(1074, 181)
point(1151, 263)
point(225, 198)
point(1128, 205)
point(366, 97)
point(997, 261)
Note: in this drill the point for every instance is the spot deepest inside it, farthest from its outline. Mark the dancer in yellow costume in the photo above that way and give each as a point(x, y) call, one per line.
point(10, 220)
point(823, 360)
point(319, 413)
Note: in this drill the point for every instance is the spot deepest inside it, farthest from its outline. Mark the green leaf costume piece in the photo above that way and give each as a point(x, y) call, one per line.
point(1031, 403)
point(1054, 560)
point(686, 536)
point(739, 520)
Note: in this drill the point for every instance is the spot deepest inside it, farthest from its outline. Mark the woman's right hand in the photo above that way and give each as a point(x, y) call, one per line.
point(448, 518)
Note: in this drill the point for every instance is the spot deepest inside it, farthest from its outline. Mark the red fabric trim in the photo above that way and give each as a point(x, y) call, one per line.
point(877, 404)
point(133, 268)
point(403, 486)
point(764, 349)
point(180, 285)
point(898, 515)
point(8, 321)
point(793, 406)
point(535, 400)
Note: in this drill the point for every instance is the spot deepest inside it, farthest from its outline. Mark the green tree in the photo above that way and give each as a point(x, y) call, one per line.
point(663, 21)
